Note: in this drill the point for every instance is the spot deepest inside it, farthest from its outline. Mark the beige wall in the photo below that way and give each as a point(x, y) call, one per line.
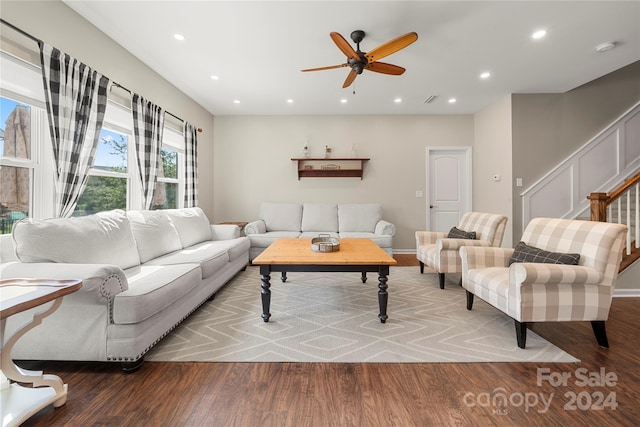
point(549, 127)
point(252, 163)
point(491, 154)
point(61, 27)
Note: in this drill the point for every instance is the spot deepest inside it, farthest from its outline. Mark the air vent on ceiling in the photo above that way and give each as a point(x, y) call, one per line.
point(430, 99)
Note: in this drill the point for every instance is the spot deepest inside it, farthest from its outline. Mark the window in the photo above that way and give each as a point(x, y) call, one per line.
point(113, 182)
point(16, 163)
point(168, 193)
point(109, 177)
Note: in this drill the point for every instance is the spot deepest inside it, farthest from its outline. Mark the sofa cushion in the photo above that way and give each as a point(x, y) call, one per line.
point(192, 225)
point(152, 289)
point(154, 232)
point(264, 240)
point(281, 216)
point(210, 258)
point(319, 217)
point(102, 238)
point(359, 217)
point(384, 241)
point(312, 234)
point(525, 253)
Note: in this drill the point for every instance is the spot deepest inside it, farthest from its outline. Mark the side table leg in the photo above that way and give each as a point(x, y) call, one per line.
point(266, 295)
point(382, 296)
point(364, 277)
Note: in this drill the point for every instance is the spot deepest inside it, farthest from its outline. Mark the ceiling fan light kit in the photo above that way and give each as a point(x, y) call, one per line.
point(359, 61)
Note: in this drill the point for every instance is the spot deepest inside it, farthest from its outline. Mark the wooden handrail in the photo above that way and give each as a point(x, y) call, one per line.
point(598, 207)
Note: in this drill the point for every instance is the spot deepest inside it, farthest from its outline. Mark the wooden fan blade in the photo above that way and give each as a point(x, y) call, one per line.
point(343, 45)
point(391, 46)
point(384, 68)
point(350, 78)
point(326, 68)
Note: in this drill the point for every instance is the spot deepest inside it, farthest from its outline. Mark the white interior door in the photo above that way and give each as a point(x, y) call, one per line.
point(448, 186)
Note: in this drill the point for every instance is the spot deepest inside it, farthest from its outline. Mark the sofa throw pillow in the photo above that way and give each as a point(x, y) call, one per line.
point(102, 238)
point(456, 233)
point(525, 253)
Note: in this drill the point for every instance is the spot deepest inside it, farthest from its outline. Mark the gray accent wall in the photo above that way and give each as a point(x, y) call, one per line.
point(547, 128)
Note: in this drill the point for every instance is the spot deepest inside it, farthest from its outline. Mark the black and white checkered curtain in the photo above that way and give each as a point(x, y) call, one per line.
point(148, 124)
point(76, 99)
point(191, 166)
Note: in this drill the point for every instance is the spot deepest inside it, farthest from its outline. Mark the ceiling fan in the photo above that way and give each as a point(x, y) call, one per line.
point(360, 61)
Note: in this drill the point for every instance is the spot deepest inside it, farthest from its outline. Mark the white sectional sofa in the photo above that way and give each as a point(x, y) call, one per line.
point(295, 220)
point(143, 272)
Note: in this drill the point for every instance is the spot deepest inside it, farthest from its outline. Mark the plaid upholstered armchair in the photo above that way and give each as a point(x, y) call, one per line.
point(440, 250)
point(562, 270)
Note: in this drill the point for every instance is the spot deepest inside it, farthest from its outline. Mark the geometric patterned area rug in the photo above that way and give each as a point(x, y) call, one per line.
point(333, 317)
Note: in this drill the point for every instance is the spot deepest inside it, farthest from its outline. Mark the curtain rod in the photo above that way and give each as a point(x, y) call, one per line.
point(24, 33)
point(37, 40)
point(167, 112)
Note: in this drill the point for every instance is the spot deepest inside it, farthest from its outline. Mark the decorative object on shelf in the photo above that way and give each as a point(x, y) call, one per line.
point(327, 152)
point(330, 167)
point(354, 151)
point(305, 150)
point(317, 167)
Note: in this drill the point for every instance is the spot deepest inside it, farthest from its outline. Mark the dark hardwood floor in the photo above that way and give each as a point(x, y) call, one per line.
point(601, 390)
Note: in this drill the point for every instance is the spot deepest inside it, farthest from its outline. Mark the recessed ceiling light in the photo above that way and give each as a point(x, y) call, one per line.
point(290, 101)
point(214, 77)
point(178, 37)
point(397, 100)
point(236, 101)
point(605, 46)
point(452, 100)
point(343, 100)
point(485, 75)
point(539, 34)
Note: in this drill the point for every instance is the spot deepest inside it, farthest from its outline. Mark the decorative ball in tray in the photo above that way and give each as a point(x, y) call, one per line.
point(325, 244)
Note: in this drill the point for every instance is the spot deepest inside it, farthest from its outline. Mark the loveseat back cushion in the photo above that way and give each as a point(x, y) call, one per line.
point(281, 216)
point(102, 238)
point(192, 225)
point(320, 217)
point(359, 217)
point(154, 232)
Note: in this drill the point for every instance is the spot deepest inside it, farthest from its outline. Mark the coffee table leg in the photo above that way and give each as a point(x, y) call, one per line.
point(284, 276)
point(382, 297)
point(364, 277)
point(266, 296)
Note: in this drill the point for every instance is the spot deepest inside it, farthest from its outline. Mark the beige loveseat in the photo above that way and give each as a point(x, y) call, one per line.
point(143, 273)
point(295, 220)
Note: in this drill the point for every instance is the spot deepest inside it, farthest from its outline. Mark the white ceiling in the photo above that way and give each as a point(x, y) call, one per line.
point(258, 48)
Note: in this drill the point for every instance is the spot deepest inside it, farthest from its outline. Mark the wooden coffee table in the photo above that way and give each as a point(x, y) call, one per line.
point(295, 255)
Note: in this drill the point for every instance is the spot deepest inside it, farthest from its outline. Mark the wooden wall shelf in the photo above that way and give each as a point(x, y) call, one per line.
point(347, 167)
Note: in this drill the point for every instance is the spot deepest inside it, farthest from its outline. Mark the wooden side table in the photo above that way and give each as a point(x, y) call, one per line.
point(17, 295)
point(240, 224)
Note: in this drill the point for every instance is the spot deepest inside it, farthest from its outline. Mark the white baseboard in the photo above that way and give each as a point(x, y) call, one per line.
point(626, 293)
point(404, 251)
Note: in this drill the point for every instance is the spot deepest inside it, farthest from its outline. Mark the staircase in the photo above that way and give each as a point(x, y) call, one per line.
point(621, 206)
point(599, 182)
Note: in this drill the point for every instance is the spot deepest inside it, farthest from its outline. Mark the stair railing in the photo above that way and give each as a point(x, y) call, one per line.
point(621, 206)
